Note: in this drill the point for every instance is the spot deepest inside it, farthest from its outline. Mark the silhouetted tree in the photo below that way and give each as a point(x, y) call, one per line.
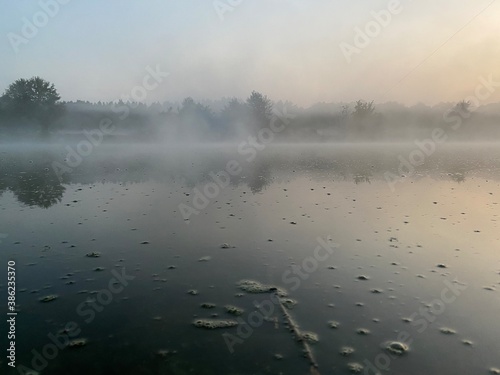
point(234, 109)
point(462, 108)
point(366, 124)
point(193, 110)
point(363, 109)
point(260, 109)
point(233, 113)
point(188, 106)
point(346, 111)
point(35, 99)
point(196, 119)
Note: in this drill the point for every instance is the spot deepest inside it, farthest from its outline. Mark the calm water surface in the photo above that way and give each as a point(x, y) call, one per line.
point(418, 262)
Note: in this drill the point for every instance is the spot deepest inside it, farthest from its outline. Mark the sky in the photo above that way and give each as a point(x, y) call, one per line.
point(305, 51)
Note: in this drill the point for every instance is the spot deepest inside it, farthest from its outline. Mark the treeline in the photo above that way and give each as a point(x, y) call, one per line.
point(33, 107)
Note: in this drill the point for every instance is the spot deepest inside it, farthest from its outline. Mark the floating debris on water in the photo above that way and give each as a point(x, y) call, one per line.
point(98, 269)
point(355, 368)
point(252, 286)
point(49, 298)
point(193, 292)
point(204, 259)
point(233, 310)
point(447, 331)
point(93, 254)
point(362, 277)
point(278, 356)
point(214, 323)
point(494, 370)
point(299, 336)
point(160, 280)
point(441, 265)
point(67, 330)
point(163, 353)
point(145, 243)
point(467, 342)
point(309, 337)
point(396, 347)
point(346, 351)
point(226, 246)
point(207, 305)
point(376, 291)
point(77, 343)
point(288, 303)
point(363, 331)
point(333, 324)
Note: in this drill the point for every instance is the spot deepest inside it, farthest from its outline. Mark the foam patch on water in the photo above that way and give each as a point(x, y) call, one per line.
point(214, 323)
point(396, 347)
point(252, 286)
point(233, 310)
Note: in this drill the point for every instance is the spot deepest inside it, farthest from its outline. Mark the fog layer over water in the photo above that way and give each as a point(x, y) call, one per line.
point(231, 120)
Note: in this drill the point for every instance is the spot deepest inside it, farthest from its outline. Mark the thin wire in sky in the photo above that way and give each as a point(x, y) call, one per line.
point(438, 48)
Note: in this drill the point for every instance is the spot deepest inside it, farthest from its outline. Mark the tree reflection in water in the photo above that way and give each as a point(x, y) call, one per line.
point(32, 180)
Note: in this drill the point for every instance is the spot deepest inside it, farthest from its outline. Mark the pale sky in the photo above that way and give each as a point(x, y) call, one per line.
point(289, 50)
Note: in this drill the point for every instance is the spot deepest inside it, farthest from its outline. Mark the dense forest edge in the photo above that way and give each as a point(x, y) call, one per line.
point(32, 109)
